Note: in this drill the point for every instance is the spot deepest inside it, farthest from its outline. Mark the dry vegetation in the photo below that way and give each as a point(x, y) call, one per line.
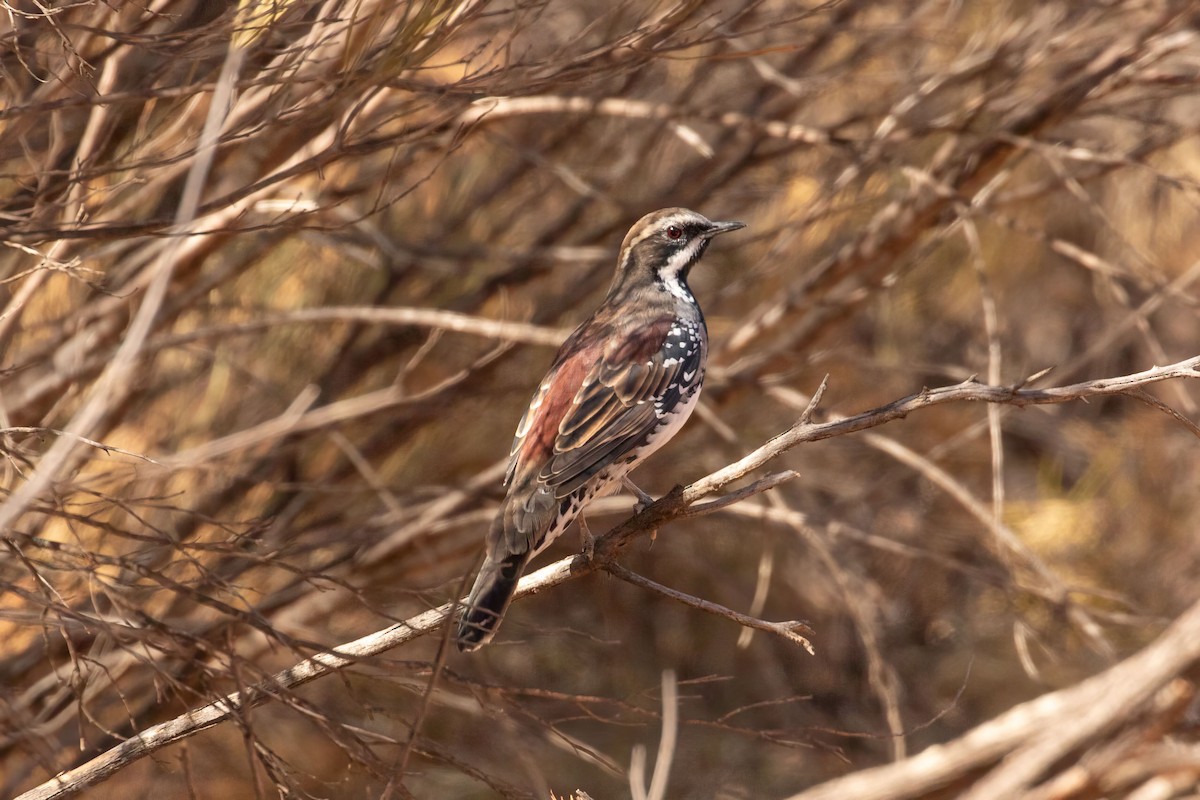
point(278, 278)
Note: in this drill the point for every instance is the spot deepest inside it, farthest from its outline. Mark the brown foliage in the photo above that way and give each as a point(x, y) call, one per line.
point(279, 278)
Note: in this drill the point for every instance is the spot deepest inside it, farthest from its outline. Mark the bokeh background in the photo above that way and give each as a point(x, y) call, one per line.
point(932, 190)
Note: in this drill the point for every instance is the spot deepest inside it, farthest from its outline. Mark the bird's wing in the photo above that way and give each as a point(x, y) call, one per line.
point(618, 404)
point(533, 443)
point(532, 413)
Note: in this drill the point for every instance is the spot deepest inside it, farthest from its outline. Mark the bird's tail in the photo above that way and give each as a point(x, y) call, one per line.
point(488, 600)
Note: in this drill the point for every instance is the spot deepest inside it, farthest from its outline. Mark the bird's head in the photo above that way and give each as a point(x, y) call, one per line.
point(662, 246)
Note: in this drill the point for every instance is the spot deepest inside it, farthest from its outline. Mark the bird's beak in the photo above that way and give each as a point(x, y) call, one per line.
point(722, 227)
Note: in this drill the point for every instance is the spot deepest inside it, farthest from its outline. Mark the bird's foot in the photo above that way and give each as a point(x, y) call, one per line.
point(644, 500)
point(586, 540)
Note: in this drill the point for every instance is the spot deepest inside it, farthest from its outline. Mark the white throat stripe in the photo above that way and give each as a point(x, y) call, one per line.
point(670, 272)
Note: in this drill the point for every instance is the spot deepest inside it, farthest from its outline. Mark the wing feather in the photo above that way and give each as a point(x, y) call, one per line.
point(527, 419)
point(611, 416)
point(599, 403)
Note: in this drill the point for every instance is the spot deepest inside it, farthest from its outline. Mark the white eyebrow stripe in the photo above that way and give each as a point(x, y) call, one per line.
point(681, 219)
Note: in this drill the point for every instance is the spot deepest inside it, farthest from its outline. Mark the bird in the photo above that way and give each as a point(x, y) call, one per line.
point(621, 385)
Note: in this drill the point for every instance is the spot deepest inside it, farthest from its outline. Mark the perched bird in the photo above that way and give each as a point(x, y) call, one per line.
point(620, 386)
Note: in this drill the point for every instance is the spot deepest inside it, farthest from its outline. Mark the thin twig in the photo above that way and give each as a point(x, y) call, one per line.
point(666, 744)
point(1154, 402)
point(434, 318)
point(758, 487)
point(107, 448)
point(787, 630)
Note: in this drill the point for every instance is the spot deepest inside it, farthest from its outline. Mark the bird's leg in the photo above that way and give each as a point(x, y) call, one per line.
point(644, 501)
point(586, 539)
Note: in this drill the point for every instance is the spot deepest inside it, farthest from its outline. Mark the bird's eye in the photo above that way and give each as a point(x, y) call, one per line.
point(674, 232)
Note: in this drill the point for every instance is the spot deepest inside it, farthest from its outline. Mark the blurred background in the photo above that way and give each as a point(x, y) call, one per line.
point(274, 349)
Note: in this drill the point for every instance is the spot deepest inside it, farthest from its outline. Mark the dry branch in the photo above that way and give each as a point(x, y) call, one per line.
point(785, 630)
point(1033, 735)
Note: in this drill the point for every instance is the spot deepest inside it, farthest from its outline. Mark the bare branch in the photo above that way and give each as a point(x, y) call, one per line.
point(786, 630)
point(1037, 733)
point(968, 390)
point(666, 747)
